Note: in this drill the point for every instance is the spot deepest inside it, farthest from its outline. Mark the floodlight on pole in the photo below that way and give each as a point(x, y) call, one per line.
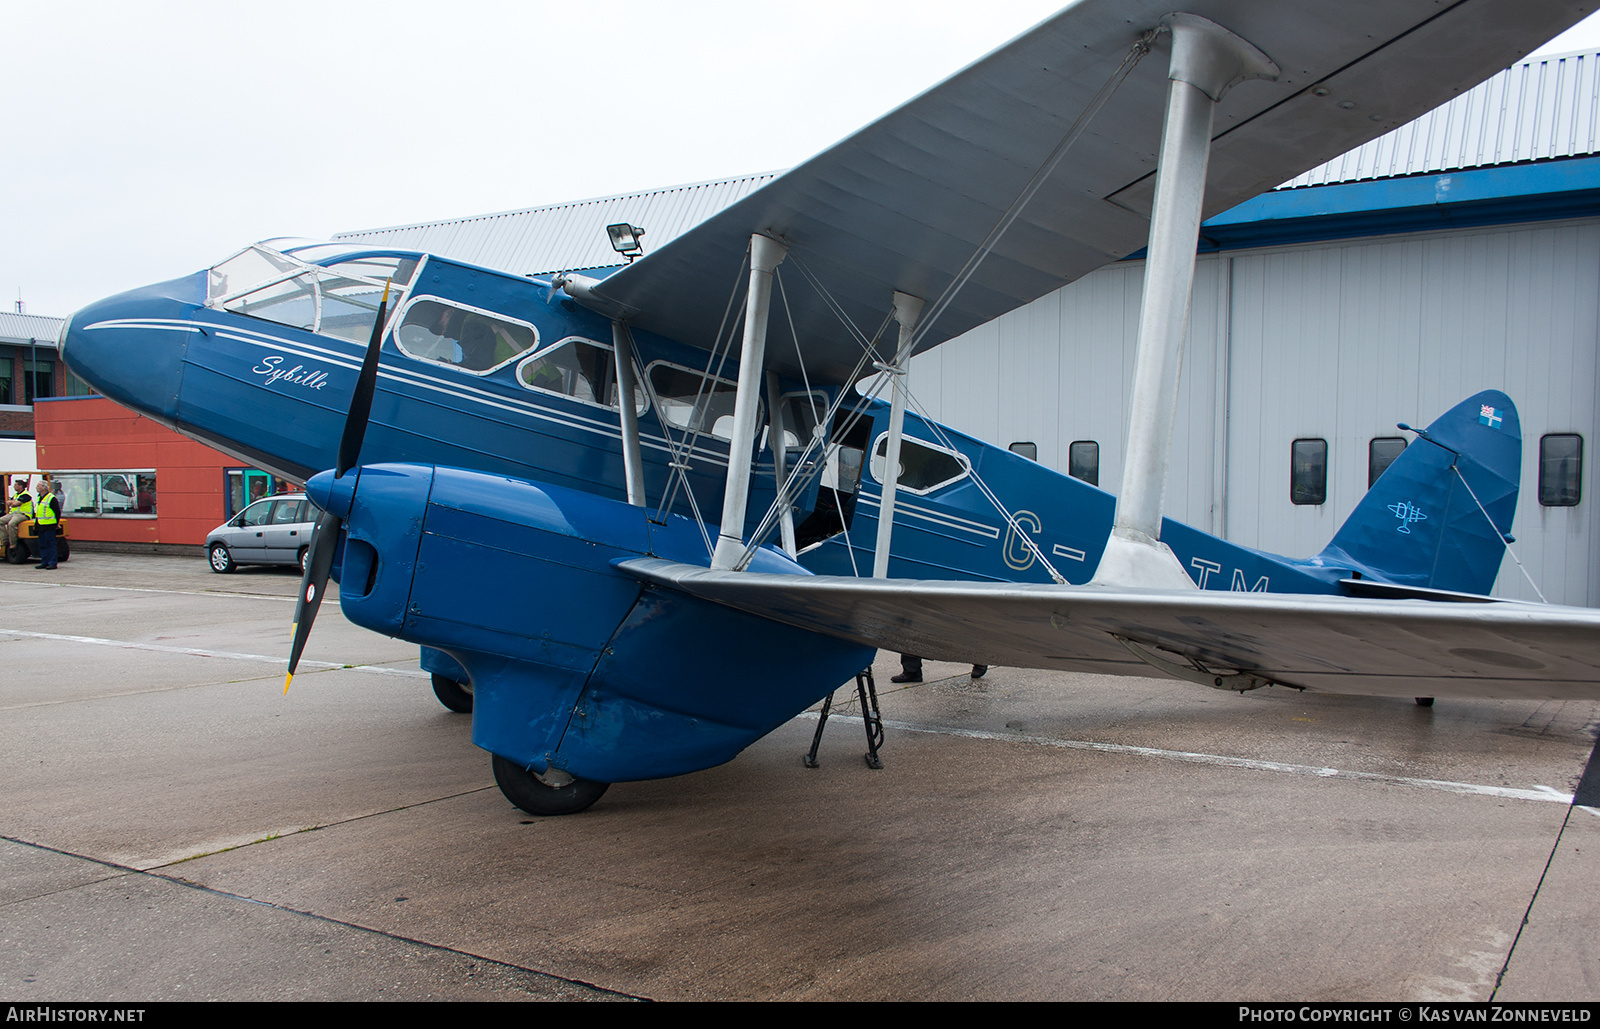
point(625, 239)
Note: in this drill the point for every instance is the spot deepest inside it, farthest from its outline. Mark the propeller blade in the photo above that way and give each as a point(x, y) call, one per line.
point(355, 425)
point(325, 537)
point(319, 562)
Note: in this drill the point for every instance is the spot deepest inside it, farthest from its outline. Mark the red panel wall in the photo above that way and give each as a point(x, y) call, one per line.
point(93, 434)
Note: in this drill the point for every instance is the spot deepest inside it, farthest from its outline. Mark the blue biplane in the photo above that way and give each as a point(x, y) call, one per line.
point(604, 498)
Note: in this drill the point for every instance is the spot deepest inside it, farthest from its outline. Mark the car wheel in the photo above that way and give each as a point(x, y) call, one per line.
point(221, 560)
point(305, 552)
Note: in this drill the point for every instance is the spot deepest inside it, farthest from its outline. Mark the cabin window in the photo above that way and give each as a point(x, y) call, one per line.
point(1027, 450)
point(801, 412)
point(1381, 453)
point(577, 368)
point(131, 493)
point(691, 401)
point(923, 467)
point(462, 337)
point(1560, 469)
point(1308, 472)
point(1083, 461)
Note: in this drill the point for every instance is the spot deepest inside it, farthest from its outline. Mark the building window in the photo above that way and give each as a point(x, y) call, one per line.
point(1083, 461)
point(131, 493)
point(1381, 453)
point(1308, 472)
point(1027, 450)
point(1560, 469)
point(247, 485)
point(5, 380)
point(38, 379)
point(72, 386)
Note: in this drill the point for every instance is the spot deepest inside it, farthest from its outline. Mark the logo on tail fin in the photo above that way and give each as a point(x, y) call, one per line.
point(1408, 512)
point(1490, 417)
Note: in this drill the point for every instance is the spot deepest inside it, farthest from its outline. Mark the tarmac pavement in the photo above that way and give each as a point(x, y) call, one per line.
point(175, 828)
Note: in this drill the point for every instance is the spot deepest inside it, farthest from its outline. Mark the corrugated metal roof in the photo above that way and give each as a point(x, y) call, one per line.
point(562, 237)
point(20, 328)
point(1545, 107)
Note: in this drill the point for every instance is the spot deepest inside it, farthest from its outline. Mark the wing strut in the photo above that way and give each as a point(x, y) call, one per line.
point(766, 254)
point(906, 310)
point(1207, 60)
point(632, 460)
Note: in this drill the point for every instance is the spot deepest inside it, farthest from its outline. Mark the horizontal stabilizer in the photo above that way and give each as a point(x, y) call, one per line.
point(1401, 648)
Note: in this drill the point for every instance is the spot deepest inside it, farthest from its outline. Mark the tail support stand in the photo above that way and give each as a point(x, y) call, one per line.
point(871, 717)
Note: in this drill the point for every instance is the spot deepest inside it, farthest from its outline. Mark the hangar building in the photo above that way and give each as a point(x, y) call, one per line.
point(1457, 253)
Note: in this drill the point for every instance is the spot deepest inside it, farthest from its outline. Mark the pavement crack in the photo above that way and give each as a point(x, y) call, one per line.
point(190, 884)
point(291, 833)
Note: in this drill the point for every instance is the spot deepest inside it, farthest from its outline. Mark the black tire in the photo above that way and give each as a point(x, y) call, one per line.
point(523, 789)
point(452, 694)
point(301, 560)
point(18, 555)
point(63, 550)
point(1424, 701)
point(221, 560)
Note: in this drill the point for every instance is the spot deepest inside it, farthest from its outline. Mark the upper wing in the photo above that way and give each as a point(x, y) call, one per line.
point(903, 203)
point(1405, 648)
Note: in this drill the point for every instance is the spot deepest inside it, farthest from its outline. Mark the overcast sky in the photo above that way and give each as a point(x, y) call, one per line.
point(147, 140)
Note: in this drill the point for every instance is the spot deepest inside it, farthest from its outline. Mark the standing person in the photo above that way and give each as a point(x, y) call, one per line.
point(19, 508)
point(911, 670)
point(46, 520)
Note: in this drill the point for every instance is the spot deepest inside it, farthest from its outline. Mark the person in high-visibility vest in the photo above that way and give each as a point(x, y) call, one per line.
point(46, 521)
point(19, 509)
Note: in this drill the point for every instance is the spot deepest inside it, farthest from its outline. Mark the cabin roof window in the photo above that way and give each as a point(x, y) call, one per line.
point(467, 338)
point(338, 300)
point(581, 369)
point(693, 401)
point(923, 466)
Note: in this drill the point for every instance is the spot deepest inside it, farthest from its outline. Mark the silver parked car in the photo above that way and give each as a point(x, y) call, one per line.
point(271, 531)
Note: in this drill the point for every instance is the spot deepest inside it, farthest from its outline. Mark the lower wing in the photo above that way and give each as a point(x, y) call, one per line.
point(1402, 648)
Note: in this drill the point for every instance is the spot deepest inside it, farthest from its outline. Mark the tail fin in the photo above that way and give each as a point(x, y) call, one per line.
point(1419, 525)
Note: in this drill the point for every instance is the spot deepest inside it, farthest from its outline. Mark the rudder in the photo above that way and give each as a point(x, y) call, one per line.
point(1419, 525)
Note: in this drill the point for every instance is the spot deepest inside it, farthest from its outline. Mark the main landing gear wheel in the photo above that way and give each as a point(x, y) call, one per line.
point(221, 560)
point(1424, 701)
point(532, 795)
point(453, 695)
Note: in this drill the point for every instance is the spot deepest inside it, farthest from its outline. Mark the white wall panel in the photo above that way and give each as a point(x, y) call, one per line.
point(1337, 341)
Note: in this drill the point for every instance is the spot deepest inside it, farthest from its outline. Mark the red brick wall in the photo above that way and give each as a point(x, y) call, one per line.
point(93, 434)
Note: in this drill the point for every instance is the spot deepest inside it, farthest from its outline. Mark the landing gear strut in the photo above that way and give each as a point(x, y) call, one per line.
point(536, 796)
point(867, 691)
